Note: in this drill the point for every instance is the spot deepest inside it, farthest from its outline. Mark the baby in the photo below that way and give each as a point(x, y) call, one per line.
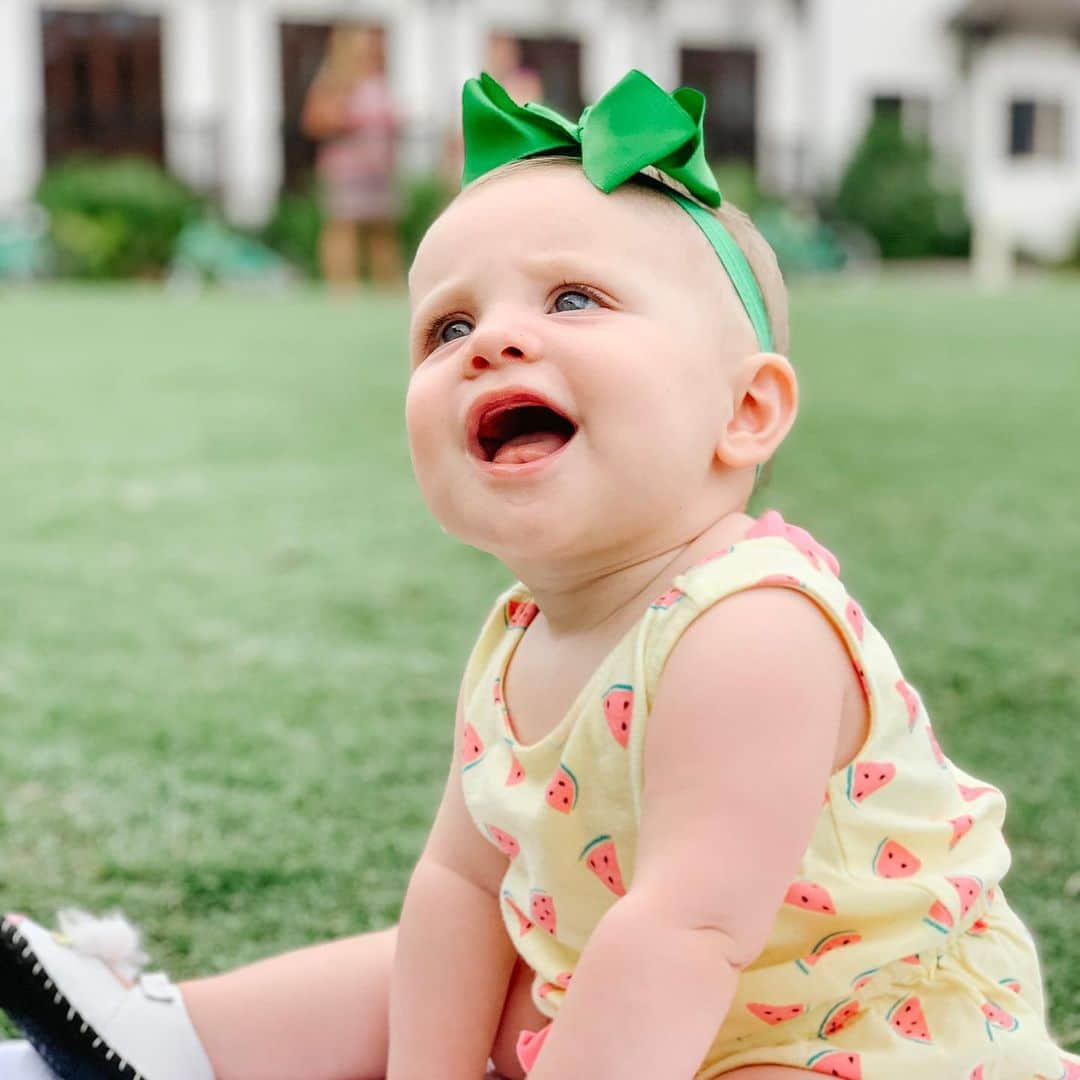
point(697, 822)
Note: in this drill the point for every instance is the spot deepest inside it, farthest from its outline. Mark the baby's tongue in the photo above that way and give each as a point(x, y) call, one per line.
point(528, 447)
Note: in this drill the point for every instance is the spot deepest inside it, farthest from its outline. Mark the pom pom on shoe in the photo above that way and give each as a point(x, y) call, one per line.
point(110, 938)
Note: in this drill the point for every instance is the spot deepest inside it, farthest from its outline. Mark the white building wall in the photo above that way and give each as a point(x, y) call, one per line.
point(820, 64)
point(22, 95)
point(1035, 203)
point(858, 50)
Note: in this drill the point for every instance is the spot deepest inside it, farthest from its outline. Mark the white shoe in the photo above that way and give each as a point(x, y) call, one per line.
point(19, 1062)
point(67, 996)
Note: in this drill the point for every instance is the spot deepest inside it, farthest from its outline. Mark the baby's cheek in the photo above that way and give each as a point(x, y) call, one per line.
point(424, 423)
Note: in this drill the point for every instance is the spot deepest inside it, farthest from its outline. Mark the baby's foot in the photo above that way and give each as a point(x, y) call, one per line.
point(80, 1000)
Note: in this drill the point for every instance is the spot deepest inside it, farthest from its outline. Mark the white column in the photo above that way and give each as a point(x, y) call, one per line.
point(463, 43)
point(610, 48)
point(413, 80)
point(252, 154)
point(779, 135)
point(191, 93)
point(22, 101)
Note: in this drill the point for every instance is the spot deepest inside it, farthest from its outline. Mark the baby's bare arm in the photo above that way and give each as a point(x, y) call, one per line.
point(454, 957)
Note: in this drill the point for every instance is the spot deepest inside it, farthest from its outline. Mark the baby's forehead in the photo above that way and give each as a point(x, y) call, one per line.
point(555, 209)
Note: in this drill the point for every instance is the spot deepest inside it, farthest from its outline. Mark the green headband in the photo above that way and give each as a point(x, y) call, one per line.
point(634, 125)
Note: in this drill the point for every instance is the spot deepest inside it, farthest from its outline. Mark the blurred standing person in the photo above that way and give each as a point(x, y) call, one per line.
point(504, 63)
point(349, 108)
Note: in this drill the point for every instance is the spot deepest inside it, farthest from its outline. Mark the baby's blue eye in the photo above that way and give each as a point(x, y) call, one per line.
point(459, 327)
point(574, 301)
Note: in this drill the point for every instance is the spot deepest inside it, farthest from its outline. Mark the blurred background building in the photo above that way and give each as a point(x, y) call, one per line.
point(214, 90)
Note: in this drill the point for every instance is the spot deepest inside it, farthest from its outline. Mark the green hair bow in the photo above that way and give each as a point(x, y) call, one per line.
point(634, 125)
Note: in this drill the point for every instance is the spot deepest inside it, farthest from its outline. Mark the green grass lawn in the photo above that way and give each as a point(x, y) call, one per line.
point(231, 635)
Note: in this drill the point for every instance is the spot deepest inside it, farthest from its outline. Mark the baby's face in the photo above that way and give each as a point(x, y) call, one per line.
point(616, 311)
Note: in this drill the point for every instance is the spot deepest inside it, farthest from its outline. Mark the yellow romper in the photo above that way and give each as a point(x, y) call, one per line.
point(894, 953)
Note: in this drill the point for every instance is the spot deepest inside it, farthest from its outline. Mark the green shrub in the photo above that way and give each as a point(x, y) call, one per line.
point(294, 229)
point(425, 196)
point(739, 185)
point(1072, 259)
point(889, 190)
point(113, 217)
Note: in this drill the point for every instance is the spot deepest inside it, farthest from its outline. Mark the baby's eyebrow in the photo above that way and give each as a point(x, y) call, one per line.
point(438, 298)
point(580, 263)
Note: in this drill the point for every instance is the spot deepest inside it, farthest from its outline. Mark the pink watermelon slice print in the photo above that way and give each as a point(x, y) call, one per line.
point(816, 552)
point(968, 889)
point(961, 826)
point(524, 923)
point(542, 909)
point(472, 746)
point(504, 841)
point(561, 982)
point(618, 711)
point(668, 599)
point(711, 558)
point(893, 860)
point(604, 863)
point(911, 701)
point(976, 1073)
point(855, 617)
point(1011, 983)
point(935, 747)
point(979, 926)
point(784, 581)
point(970, 794)
point(839, 1016)
point(810, 896)
point(863, 978)
point(826, 945)
point(562, 792)
point(1071, 1069)
point(839, 1063)
point(907, 1019)
point(940, 918)
point(775, 1014)
point(866, 777)
point(772, 523)
point(516, 773)
point(518, 614)
point(997, 1017)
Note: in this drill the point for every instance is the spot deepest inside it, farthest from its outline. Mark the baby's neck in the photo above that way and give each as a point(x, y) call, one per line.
point(612, 600)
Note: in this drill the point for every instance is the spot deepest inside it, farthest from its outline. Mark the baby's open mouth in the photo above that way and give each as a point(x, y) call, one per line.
point(523, 433)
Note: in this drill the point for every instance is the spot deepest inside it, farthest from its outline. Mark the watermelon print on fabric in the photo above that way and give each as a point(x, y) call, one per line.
point(893, 949)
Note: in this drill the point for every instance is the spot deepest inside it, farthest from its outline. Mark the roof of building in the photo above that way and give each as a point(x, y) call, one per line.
point(991, 15)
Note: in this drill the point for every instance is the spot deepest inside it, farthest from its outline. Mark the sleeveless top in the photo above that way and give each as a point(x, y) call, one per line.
point(905, 857)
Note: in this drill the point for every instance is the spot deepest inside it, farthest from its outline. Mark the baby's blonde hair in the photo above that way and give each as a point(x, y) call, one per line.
point(754, 246)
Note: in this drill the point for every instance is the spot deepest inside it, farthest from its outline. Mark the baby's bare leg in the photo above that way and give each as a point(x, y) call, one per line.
point(323, 1011)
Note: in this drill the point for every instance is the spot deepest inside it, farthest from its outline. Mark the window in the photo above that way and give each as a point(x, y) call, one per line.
point(728, 79)
point(102, 82)
point(913, 112)
point(1037, 130)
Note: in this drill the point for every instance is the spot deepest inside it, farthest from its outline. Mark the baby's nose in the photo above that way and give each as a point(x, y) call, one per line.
point(495, 350)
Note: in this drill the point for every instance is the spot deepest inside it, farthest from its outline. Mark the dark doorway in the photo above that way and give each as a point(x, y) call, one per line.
point(102, 83)
point(728, 79)
point(302, 49)
point(558, 62)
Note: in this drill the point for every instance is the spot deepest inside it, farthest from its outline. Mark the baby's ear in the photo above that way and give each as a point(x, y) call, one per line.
point(765, 402)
